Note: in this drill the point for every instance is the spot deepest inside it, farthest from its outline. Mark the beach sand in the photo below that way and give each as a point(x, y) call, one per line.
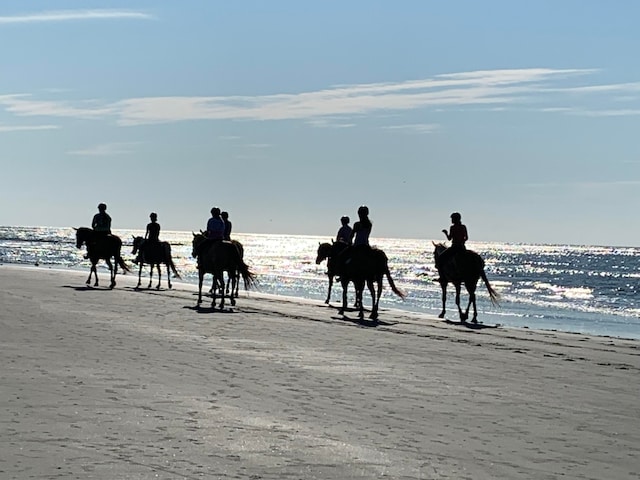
point(115, 384)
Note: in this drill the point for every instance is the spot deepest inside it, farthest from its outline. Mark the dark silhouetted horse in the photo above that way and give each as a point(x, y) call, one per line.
point(100, 246)
point(217, 257)
point(464, 267)
point(364, 265)
point(330, 252)
point(154, 254)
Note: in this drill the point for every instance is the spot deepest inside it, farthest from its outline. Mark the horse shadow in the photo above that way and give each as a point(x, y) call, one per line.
point(88, 288)
point(470, 325)
point(208, 310)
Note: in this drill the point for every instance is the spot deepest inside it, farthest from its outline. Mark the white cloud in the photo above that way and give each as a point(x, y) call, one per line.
point(24, 128)
point(414, 128)
point(489, 89)
point(104, 150)
point(68, 15)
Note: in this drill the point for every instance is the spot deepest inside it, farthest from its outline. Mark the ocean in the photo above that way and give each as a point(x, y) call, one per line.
point(571, 288)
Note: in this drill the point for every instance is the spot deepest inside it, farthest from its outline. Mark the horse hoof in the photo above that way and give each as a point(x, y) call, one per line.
point(441, 315)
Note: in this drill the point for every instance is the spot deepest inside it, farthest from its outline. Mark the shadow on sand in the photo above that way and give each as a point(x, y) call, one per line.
point(88, 288)
point(470, 326)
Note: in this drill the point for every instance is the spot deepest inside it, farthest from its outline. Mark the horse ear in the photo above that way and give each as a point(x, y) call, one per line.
point(75, 228)
point(434, 243)
point(193, 234)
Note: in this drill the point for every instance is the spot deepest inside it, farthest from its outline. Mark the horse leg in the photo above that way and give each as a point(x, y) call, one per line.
point(91, 273)
point(443, 286)
point(374, 301)
point(471, 288)
point(159, 276)
point(139, 275)
point(168, 276)
point(200, 279)
point(112, 274)
point(328, 299)
point(150, 275)
point(345, 285)
point(233, 278)
point(463, 316)
point(359, 293)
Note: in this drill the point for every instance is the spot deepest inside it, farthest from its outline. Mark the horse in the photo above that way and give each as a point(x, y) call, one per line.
point(464, 267)
point(364, 265)
point(216, 258)
point(154, 254)
point(100, 246)
point(233, 284)
point(233, 292)
point(330, 252)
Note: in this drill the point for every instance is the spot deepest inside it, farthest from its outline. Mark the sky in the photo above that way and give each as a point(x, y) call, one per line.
point(522, 116)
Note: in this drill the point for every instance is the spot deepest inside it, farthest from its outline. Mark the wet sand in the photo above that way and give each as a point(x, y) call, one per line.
point(115, 384)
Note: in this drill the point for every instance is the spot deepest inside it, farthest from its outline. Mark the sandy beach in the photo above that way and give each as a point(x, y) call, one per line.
point(126, 384)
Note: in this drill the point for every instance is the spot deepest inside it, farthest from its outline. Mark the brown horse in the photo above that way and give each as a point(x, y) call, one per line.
point(364, 265)
point(330, 253)
point(154, 254)
point(100, 246)
point(217, 257)
point(464, 267)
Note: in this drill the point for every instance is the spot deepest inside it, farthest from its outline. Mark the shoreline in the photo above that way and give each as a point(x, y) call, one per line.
point(127, 383)
point(410, 313)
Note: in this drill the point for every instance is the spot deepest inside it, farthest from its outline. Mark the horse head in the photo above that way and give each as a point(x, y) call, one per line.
point(439, 248)
point(198, 238)
point(324, 252)
point(82, 235)
point(137, 241)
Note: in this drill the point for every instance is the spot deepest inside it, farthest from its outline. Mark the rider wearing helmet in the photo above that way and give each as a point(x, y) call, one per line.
point(153, 229)
point(345, 231)
point(151, 236)
point(362, 228)
point(101, 222)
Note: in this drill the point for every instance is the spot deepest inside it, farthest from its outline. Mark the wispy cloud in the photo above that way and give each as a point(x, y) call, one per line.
point(71, 15)
point(105, 150)
point(414, 128)
point(584, 185)
point(24, 128)
point(487, 89)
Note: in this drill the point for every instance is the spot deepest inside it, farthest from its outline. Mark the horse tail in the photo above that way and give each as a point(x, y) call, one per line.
point(172, 266)
point(121, 263)
point(392, 284)
point(248, 277)
point(495, 297)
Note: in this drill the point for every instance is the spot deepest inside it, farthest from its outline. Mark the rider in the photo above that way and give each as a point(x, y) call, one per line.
point(345, 232)
point(227, 225)
point(359, 237)
point(101, 222)
point(362, 228)
point(458, 235)
point(153, 229)
point(151, 236)
point(214, 231)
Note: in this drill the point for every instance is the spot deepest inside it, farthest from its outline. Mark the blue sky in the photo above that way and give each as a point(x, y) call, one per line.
point(523, 116)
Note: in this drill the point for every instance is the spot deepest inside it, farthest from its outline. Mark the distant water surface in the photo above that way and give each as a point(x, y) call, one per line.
point(582, 289)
